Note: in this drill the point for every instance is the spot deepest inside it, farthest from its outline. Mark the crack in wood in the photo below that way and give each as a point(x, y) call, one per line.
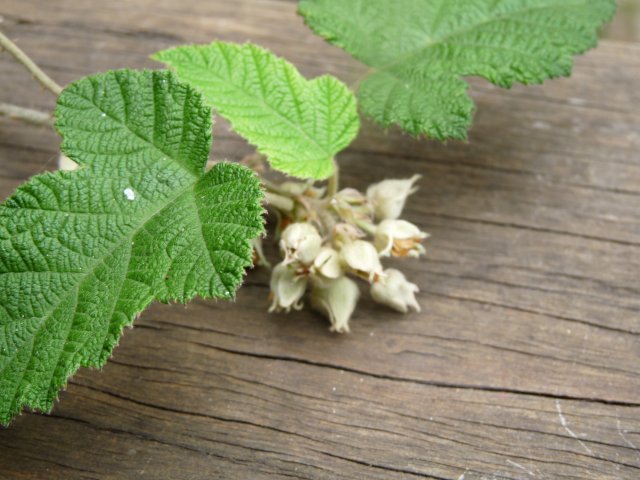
point(461, 386)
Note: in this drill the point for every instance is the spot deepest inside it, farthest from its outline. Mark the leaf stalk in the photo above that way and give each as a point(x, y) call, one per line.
point(334, 180)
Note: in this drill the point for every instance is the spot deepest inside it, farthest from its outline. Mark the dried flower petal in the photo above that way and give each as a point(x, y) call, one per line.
point(399, 238)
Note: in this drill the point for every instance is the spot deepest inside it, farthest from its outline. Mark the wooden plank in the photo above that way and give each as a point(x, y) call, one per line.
point(522, 365)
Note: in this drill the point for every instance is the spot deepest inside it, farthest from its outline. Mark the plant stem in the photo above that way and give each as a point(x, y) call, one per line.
point(284, 204)
point(22, 57)
point(272, 187)
point(35, 117)
point(334, 180)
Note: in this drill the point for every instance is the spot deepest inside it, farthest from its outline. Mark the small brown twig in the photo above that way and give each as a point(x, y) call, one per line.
point(22, 57)
point(35, 117)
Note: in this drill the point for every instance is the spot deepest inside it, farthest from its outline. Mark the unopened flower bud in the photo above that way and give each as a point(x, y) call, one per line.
point(395, 291)
point(399, 238)
point(327, 263)
point(287, 288)
point(389, 196)
point(362, 258)
point(337, 300)
point(301, 242)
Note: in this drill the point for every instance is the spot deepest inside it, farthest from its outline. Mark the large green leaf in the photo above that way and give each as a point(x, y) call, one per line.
point(298, 124)
point(82, 253)
point(417, 50)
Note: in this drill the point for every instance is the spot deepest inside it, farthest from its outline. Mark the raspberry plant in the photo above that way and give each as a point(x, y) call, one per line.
point(140, 218)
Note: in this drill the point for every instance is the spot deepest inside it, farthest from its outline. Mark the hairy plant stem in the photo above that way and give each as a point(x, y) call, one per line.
point(285, 204)
point(35, 117)
point(22, 57)
point(334, 180)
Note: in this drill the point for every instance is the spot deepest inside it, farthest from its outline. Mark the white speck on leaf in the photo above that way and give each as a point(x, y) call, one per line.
point(130, 194)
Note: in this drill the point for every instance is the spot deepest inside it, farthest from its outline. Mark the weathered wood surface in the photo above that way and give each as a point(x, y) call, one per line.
point(523, 364)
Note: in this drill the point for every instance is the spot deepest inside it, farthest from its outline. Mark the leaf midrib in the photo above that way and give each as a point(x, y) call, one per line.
point(149, 142)
point(95, 264)
point(204, 72)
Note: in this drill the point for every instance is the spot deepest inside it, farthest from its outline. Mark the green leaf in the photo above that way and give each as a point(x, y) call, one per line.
point(417, 50)
point(82, 253)
point(298, 124)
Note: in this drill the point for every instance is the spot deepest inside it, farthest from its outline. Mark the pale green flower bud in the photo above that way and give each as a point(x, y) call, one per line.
point(389, 196)
point(327, 263)
point(301, 242)
point(287, 288)
point(399, 238)
point(362, 257)
point(337, 300)
point(395, 291)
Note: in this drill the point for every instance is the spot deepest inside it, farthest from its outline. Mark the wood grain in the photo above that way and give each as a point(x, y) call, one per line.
point(523, 364)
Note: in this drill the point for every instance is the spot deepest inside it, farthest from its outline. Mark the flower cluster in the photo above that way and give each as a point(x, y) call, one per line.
point(328, 241)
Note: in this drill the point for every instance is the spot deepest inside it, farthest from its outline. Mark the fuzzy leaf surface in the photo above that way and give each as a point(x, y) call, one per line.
point(82, 253)
point(298, 124)
point(418, 50)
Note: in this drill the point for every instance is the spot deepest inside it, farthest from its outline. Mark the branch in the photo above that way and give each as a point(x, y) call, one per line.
point(28, 115)
point(22, 57)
